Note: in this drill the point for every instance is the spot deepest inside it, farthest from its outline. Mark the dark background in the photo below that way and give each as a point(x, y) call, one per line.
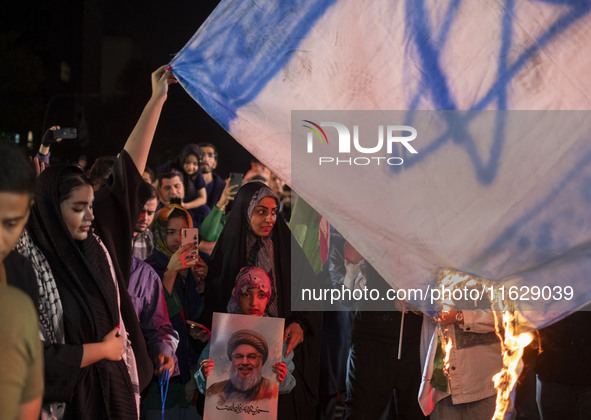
point(87, 64)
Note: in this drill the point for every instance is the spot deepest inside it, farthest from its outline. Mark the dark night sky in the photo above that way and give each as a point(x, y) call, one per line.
point(158, 30)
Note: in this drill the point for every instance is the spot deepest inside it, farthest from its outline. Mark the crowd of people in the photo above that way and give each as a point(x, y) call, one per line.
point(101, 298)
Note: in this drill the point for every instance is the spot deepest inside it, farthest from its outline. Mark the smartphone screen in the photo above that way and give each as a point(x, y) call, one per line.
point(65, 133)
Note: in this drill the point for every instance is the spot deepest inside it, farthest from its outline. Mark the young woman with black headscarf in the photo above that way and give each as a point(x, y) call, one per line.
point(89, 263)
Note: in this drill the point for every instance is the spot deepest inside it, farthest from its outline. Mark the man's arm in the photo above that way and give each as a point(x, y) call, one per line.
point(30, 410)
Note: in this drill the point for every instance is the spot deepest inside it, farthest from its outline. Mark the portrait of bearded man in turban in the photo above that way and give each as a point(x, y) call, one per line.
point(247, 351)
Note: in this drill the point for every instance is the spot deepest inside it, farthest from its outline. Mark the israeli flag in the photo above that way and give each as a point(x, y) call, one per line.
point(500, 184)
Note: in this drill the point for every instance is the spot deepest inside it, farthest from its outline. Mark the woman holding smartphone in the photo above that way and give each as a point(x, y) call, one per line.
point(182, 273)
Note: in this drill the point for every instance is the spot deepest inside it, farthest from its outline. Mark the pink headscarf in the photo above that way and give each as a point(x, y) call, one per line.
point(248, 278)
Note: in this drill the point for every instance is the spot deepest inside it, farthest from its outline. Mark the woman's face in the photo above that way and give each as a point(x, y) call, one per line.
point(264, 216)
point(77, 212)
point(253, 302)
point(173, 232)
point(191, 164)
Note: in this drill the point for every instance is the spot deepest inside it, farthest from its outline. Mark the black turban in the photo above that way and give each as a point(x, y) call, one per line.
point(250, 337)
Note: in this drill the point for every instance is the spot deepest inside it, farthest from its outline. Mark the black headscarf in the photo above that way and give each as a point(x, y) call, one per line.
point(72, 271)
point(231, 254)
point(232, 251)
point(89, 300)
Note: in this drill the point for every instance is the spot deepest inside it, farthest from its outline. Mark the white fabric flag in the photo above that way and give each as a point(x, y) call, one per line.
point(512, 206)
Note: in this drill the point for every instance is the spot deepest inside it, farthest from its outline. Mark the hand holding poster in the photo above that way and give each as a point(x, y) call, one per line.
point(244, 350)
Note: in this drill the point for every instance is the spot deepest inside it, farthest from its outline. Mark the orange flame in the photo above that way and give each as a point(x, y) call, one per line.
point(446, 352)
point(512, 348)
point(450, 279)
point(512, 344)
